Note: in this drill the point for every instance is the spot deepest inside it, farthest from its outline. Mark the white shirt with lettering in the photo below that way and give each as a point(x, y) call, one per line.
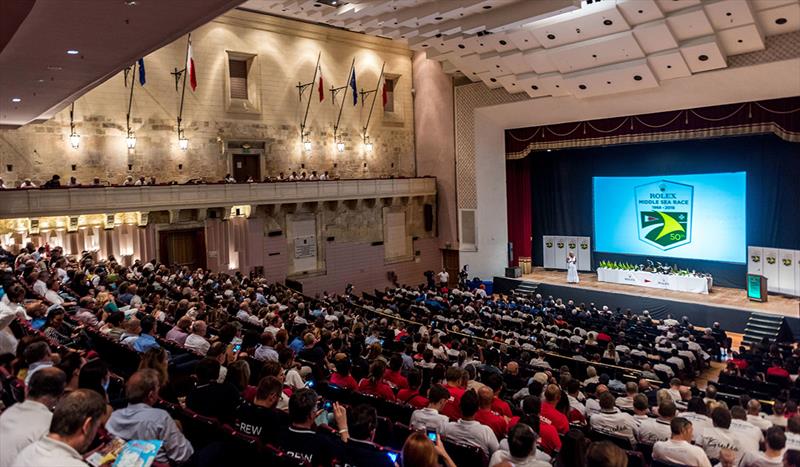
point(749, 435)
point(615, 423)
point(713, 439)
point(653, 430)
point(680, 452)
point(472, 433)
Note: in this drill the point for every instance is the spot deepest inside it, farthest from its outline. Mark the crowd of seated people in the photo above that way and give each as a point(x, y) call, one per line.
point(227, 368)
point(55, 180)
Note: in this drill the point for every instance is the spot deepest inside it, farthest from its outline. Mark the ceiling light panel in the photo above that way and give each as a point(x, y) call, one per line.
point(690, 24)
point(601, 22)
point(703, 54)
point(741, 40)
point(726, 14)
point(611, 79)
point(668, 64)
point(620, 47)
point(639, 11)
point(780, 20)
point(668, 6)
point(655, 36)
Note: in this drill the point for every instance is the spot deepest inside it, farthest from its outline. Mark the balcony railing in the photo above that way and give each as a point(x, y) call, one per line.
point(92, 200)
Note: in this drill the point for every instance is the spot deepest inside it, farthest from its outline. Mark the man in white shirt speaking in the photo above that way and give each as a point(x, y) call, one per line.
point(679, 449)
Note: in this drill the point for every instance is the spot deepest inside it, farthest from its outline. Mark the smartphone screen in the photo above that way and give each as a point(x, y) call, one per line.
point(432, 435)
point(392, 456)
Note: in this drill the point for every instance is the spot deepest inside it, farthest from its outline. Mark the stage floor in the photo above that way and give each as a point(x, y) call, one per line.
point(719, 296)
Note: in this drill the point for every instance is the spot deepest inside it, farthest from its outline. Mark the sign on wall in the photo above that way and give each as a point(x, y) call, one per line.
point(305, 247)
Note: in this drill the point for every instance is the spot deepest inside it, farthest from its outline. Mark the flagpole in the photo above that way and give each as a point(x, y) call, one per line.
point(183, 91)
point(310, 95)
point(344, 98)
point(130, 100)
point(375, 96)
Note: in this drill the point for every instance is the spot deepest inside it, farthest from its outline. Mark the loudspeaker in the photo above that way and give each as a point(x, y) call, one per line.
point(513, 272)
point(427, 213)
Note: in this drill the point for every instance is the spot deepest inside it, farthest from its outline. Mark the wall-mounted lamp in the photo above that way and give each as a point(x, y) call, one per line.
point(183, 142)
point(74, 138)
point(367, 144)
point(306, 145)
point(130, 141)
point(340, 146)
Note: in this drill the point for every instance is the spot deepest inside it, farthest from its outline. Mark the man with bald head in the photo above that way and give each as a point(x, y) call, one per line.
point(754, 415)
point(549, 413)
point(486, 416)
point(593, 405)
point(139, 420)
point(26, 422)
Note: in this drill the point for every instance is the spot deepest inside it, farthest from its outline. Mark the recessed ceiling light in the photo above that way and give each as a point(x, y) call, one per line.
point(549, 150)
point(703, 58)
point(16, 99)
point(608, 22)
point(740, 41)
point(494, 80)
point(551, 36)
point(130, 2)
point(780, 21)
point(487, 7)
point(73, 52)
point(637, 78)
point(502, 42)
point(462, 46)
point(581, 86)
point(438, 18)
point(534, 87)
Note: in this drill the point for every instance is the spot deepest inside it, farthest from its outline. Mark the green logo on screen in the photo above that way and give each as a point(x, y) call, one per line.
point(664, 214)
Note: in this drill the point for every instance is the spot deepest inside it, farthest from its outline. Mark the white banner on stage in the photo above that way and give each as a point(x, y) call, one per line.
point(652, 280)
point(561, 253)
point(549, 249)
point(770, 268)
point(584, 253)
point(755, 260)
point(786, 271)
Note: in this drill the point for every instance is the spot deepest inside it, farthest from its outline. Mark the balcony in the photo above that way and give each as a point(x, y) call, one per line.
point(95, 200)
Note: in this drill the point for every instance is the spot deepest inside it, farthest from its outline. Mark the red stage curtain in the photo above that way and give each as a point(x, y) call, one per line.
point(518, 195)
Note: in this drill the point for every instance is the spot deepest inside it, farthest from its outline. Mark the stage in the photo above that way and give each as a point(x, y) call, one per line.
point(730, 307)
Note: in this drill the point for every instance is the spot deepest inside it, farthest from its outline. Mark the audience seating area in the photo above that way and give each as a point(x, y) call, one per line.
point(237, 361)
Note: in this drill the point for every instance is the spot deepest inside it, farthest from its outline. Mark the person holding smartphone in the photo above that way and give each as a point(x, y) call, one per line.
point(420, 451)
point(360, 451)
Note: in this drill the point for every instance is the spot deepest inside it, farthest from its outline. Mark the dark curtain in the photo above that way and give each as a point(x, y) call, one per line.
point(519, 201)
point(561, 190)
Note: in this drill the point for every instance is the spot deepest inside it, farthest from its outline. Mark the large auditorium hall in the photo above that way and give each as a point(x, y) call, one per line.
point(400, 233)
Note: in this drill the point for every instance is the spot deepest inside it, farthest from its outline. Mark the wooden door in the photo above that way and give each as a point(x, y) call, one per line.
point(183, 248)
point(246, 166)
point(451, 265)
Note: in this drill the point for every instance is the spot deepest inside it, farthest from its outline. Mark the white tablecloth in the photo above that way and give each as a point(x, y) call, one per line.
point(656, 281)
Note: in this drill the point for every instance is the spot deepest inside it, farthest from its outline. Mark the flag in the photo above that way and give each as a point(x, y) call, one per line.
point(190, 67)
point(142, 78)
point(321, 88)
point(353, 85)
point(384, 95)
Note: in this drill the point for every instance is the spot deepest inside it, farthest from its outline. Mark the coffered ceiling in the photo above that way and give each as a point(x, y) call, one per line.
point(562, 47)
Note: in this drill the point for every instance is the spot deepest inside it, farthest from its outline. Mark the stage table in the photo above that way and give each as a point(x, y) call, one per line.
point(656, 281)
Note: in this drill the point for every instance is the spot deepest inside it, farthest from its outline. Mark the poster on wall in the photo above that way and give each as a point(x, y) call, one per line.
point(755, 260)
point(786, 274)
point(305, 247)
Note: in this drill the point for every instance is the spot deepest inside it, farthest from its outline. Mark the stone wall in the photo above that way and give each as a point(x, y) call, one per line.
point(285, 54)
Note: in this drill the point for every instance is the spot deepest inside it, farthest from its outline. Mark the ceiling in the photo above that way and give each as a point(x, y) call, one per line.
point(38, 77)
point(562, 47)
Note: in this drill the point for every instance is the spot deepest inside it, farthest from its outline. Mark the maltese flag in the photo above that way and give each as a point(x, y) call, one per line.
point(190, 67)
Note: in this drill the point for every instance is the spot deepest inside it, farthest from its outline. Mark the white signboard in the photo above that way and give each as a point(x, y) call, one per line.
point(305, 247)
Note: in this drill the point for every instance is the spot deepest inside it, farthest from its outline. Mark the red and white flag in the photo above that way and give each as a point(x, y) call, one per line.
point(190, 67)
point(321, 88)
point(384, 94)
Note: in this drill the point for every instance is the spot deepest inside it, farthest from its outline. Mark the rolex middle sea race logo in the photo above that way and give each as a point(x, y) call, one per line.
point(664, 212)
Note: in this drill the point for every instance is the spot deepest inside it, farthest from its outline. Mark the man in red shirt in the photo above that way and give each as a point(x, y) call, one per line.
point(495, 383)
point(411, 395)
point(455, 386)
point(549, 414)
point(497, 423)
point(393, 376)
point(777, 370)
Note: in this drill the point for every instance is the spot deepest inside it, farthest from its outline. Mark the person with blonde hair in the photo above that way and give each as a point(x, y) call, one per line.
point(156, 359)
point(420, 451)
